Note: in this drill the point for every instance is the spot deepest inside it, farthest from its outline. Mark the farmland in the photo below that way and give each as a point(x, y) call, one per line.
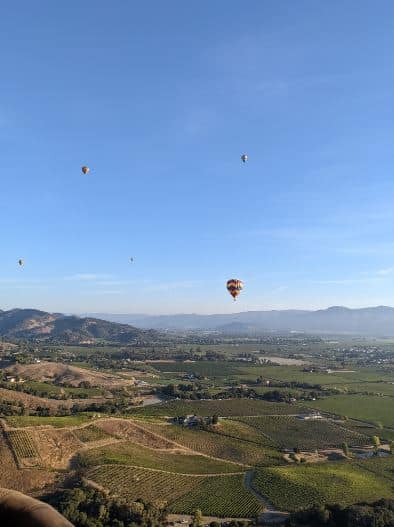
point(136, 483)
point(58, 422)
point(22, 445)
point(182, 462)
point(290, 432)
point(90, 433)
point(218, 446)
point(295, 487)
point(235, 407)
point(152, 452)
point(368, 408)
point(219, 495)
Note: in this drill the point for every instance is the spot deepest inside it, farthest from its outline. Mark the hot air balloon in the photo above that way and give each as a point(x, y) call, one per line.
point(244, 157)
point(21, 262)
point(234, 287)
point(131, 259)
point(85, 170)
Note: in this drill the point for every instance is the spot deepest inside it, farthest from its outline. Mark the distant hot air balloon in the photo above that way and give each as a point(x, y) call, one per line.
point(244, 157)
point(131, 259)
point(21, 262)
point(85, 170)
point(234, 287)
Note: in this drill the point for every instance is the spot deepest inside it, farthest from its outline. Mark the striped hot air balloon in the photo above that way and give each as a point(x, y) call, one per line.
point(234, 287)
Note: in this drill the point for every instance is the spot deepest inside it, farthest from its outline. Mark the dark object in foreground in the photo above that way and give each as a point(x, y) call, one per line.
point(18, 510)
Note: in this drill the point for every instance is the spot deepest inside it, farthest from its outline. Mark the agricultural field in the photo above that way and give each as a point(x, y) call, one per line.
point(141, 483)
point(291, 432)
point(240, 430)
point(22, 445)
point(90, 433)
point(376, 388)
point(20, 421)
point(28, 481)
point(373, 409)
point(295, 487)
point(182, 462)
point(382, 466)
point(369, 430)
point(296, 374)
point(226, 407)
point(219, 446)
point(218, 495)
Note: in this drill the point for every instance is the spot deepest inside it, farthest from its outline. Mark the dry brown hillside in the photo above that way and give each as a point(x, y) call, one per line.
point(64, 374)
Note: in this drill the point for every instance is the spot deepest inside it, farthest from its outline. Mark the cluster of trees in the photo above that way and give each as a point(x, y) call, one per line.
point(31, 390)
point(87, 507)
point(198, 392)
point(112, 406)
point(185, 391)
point(240, 392)
point(378, 514)
point(9, 408)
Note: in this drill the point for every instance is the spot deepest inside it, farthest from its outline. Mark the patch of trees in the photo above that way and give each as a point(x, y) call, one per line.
point(117, 406)
point(377, 514)
point(25, 388)
point(9, 408)
point(87, 507)
point(185, 391)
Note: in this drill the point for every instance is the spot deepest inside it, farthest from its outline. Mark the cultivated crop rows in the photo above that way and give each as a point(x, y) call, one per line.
point(22, 444)
point(216, 495)
point(290, 432)
point(90, 433)
point(219, 496)
point(227, 407)
point(213, 444)
point(151, 485)
point(295, 487)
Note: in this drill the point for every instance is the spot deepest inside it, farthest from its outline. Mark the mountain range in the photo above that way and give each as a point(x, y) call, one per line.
point(371, 321)
point(56, 327)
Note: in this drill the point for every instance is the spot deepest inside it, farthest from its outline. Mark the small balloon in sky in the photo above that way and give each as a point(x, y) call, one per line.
point(244, 158)
point(21, 262)
point(85, 170)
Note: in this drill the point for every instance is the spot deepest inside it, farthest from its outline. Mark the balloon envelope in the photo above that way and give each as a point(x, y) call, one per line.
point(234, 287)
point(85, 170)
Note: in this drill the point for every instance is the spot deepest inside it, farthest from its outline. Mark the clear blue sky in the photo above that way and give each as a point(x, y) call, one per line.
point(160, 99)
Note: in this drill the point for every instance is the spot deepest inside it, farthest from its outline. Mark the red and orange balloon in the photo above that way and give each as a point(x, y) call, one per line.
point(234, 287)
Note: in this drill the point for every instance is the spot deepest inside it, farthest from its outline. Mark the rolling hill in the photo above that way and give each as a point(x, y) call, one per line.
point(56, 327)
point(372, 321)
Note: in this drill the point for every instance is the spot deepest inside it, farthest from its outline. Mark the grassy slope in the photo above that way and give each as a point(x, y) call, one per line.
point(33, 420)
point(365, 407)
point(290, 432)
point(218, 445)
point(218, 495)
point(225, 496)
point(133, 454)
point(295, 487)
point(233, 407)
